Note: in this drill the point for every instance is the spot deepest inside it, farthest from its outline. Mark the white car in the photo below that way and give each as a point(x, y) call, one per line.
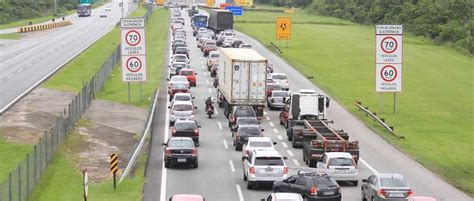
point(280, 79)
point(257, 143)
point(284, 197)
point(182, 110)
point(211, 58)
point(103, 14)
point(108, 8)
point(182, 97)
point(245, 46)
point(266, 166)
point(340, 166)
point(179, 58)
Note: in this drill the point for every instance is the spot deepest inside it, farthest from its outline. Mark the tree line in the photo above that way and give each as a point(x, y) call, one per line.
point(447, 22)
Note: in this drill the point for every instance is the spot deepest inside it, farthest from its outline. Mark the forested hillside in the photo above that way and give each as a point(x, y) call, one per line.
point(444, 21)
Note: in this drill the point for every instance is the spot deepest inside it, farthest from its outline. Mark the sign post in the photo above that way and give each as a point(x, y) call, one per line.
point(114, 167)
point(133, 51)
point(283, 29)
point(86, 185)
point(388, 61)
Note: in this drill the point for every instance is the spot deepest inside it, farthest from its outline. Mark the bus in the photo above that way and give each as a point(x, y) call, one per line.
point(84, 10)
point(198, 21)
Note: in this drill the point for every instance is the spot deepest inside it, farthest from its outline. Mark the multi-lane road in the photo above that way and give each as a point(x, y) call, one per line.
point(25, 63)
point(219, 176)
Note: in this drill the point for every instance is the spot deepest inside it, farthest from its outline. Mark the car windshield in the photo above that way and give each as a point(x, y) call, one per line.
point(392, 182)
point(183, 107)
point(185, 126)
point(187, 72)
point(245, 113)
point(279, 77)
point(181, 49)
point(341, 162)
point(182, 98)
point(265, 161)
point(210, 44)
point(181, 143)
point(249, 131)
point(261, 144)
point(214, 55)
point(247, 122)
point(280, 94)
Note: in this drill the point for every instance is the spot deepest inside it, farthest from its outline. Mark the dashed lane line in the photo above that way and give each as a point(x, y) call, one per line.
point(268, 118)
point(290, 153)
point(368, 166)
point(271, 124)
point(20, 70)
point(284, 145)
point(225, 144)
point(220, 125)
point(279, 137)
point(10, 76)
point(210, 90)
point(239, 192)
point(296, 162)
point(231, 166)
point(275, 130)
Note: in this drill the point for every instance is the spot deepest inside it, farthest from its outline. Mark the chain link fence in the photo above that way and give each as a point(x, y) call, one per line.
point(21, 181)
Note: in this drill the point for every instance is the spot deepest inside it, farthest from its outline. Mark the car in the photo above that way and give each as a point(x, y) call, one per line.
point(385, 187)
point(227, 42)
point(186, 128)
point(263, 167)
point(182, 50)
point(181, 87)
point(180, 150)
point(190, 75)
point(182, 97)
point(108, 8)
point(178, 44)
point(257, 143)
point(180, 58)
point(244, 121)
point(281, 79)
point(311, 185)
point(277, 99)
point(419, 198)
point(283, 197)
point(178, 40)
point(199, 30)
point(177, 79)
point(244, 45)
point(103, 14)
point(208, 47)
point(175, 26)
point(182, 110)
point(203, 39)
point(271, 87)
point(212, 58)
point(187, 197)
point(236, 43)
point(339, 165)
point(240, 111)
point(244, 132)
point(176, 67)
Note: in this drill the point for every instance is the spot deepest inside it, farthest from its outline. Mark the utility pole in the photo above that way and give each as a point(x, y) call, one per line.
point(55, 7)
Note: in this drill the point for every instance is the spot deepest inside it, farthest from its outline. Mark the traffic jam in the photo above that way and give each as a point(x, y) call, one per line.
point(239, 89)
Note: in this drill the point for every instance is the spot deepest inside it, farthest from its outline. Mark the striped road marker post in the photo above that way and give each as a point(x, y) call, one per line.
point(114, 167)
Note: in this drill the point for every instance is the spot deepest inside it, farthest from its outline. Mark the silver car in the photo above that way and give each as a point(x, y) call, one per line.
point(340, 166)
point(182, 110)
point(281, 79)
point(385, 187)
point(277, 99)
point(266, 166)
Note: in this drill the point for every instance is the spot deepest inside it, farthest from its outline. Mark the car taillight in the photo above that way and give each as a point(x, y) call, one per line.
point(237, 136)
point(173, 131)
point(232, 118)
point(196, 132)
point(168, 152)
point(313, 191)
point(252, 170)
point(285, 170)
point(381, 193)
point(195, 152)
point(247, 152)
point(194, 111)
point(410, 193)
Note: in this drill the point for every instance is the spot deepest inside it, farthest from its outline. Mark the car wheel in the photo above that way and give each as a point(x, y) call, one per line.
point(236, 148)
point(245, 177)
point(355, 183)
point(167, 165)
point(276, 190)
point(230, 125)
point(249, 185)
point(196, 165)
point(281, 122)
point(293, 144)
point(311, 163)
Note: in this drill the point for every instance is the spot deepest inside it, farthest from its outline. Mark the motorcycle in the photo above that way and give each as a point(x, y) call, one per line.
point(209, 107)
point(216, 82)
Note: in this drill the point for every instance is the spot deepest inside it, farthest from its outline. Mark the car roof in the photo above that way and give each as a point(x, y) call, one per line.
point(259, 139)
point(287, 196)
point(184, 121)
point(180, 63)
point(266, 152)
point(181, 138)
point(214, 52)
point(338, 154)
point(242, 118)
point(182, 103)
point(182, 94)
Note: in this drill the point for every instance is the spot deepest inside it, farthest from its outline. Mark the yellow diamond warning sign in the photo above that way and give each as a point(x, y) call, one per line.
point(283, 28)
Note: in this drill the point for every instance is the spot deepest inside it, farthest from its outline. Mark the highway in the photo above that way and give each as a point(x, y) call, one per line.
point(219, 176)
point(26, 62)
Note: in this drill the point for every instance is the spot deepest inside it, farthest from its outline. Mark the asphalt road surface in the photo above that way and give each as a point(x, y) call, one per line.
point(26, 62)
point(219, 176)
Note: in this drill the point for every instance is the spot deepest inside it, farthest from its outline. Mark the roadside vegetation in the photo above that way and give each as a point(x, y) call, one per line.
point(11, 36)
point(11, 154)
point(434, 110)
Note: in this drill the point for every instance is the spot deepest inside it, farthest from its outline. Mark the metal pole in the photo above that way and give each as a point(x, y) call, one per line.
point(115, 180)
point(10, 187)
point(55, 7)
point(141, 95)
point(394, 102)
point(34, 164)
point(27, 174)
point(129, 92)
point(19, 182)
point(122, 8)
point(381, 102)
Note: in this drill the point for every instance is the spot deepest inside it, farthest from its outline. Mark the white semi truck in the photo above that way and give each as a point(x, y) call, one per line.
point(242, 74)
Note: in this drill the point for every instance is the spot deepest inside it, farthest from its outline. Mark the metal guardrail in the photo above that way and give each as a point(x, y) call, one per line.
point(374, 116)
point(140, 144)
point(276, 48)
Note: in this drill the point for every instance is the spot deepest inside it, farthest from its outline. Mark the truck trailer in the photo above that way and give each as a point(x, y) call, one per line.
point(220, 20)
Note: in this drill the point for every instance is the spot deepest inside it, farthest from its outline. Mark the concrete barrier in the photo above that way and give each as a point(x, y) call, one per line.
point(43, 26)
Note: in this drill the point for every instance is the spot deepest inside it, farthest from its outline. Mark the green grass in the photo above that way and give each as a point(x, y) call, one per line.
point(434, 110)
point(25, 22)
point(156, 34)
point(12, 36)
point(15, 153)
point(52, 186)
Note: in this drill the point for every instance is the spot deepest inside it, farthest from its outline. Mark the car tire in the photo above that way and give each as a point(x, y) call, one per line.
point(167, 165)
point(236, 148)
point(276, 190)
point(355, 183)
point(250, 185)
point(245, 177)
point(293, 144)
point(311, 163)
point(230, 125)
point(196, 165)
point(281, 122)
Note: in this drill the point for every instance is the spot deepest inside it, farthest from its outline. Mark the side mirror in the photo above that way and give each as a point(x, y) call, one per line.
point(195, 107)
point(195, 73)
point(262, 129)
point(275, 143)
point(364, 180)
point(164, 143)
point(244, 158)
point(194, 97)
point(169, 107)
point(199, 126)
point(285, 158)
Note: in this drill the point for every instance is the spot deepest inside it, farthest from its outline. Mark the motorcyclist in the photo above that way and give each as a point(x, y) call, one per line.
point(209, 103)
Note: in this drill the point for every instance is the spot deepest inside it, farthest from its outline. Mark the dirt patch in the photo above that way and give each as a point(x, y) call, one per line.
point(33, 115)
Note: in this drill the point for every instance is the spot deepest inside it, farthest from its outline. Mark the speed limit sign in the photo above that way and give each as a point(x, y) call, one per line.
point(133, 37)
point(389, 49)
point(388, 58)
point(133, 49)
point(133, 41)
point(133, 69)
point(388, 77)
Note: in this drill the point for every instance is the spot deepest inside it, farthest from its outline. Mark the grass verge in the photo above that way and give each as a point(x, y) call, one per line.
point(434, 110)
point(14, 152)
point(12, 36)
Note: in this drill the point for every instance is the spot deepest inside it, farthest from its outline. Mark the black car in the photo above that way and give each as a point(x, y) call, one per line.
point(245, 131)
point(182, 50)
point(312, 186)
point(186, 128)
point(180, 150)
point(176, 45)
point(244, 121)
point(240, 111)
point(236, 43)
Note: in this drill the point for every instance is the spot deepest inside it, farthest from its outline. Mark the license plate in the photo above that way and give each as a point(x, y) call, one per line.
point(181, 160)
point(268, 170)
point(328, 193)
point(397, 195)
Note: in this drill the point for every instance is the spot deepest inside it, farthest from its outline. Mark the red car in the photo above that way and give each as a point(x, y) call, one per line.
point(272, 86)
point(178, 88)
point(186, 197)
point(190, 74)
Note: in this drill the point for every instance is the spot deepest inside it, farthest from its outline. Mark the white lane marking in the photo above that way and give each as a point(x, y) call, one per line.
point(368, 166)
point(220, 125)
point(210, 90)
point(225, 144)
point(239, 192)
point(290, 153)
point(1, 81)
point(275, 130)
point(44, 56)
point(271, 124)
point(296, 162)
point(165, 138)
point(284, 144)
point(205, 74)
point(231, 166)
point(10, 76)
point(279, 137)
point(268, 118)
point(20, 70)
point(265, 113)
point(28, 65)
point(215, 111)
point(207, 81)
point(202, 62)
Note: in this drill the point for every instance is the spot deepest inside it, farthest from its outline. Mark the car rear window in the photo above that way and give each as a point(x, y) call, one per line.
point(273, 86)
point(249, 130)
point(245, 113)
point(186, 72)
point(324, 181)
point(264, 161)
point(179, 65)
point(214, 56)
point(178, 79)
point(341, 162)
point(247, 122)
point(180, 86)
point(185, 126)
point(210, 43)
point(182, 98)
point(261, 144)
point(392, 182)
point(181, 143)
point(279, 77)
point(280, 94)
point(183, 107)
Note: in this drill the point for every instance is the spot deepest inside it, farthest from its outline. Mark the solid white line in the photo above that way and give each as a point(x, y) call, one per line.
point(163, 169)
point(271, 124)
point(265, 113)
point(368, 166)
point(279, 137)
point(290, 153)
point(210, 90)
point(275, 130)
point(239, 192)
point(231, 166)
point(225, 144)
point(296, 162)
point(207, 81)
point(219, 124)
point(268, 118)
point(284, 144)
point(20, 70)
point(10, 76)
